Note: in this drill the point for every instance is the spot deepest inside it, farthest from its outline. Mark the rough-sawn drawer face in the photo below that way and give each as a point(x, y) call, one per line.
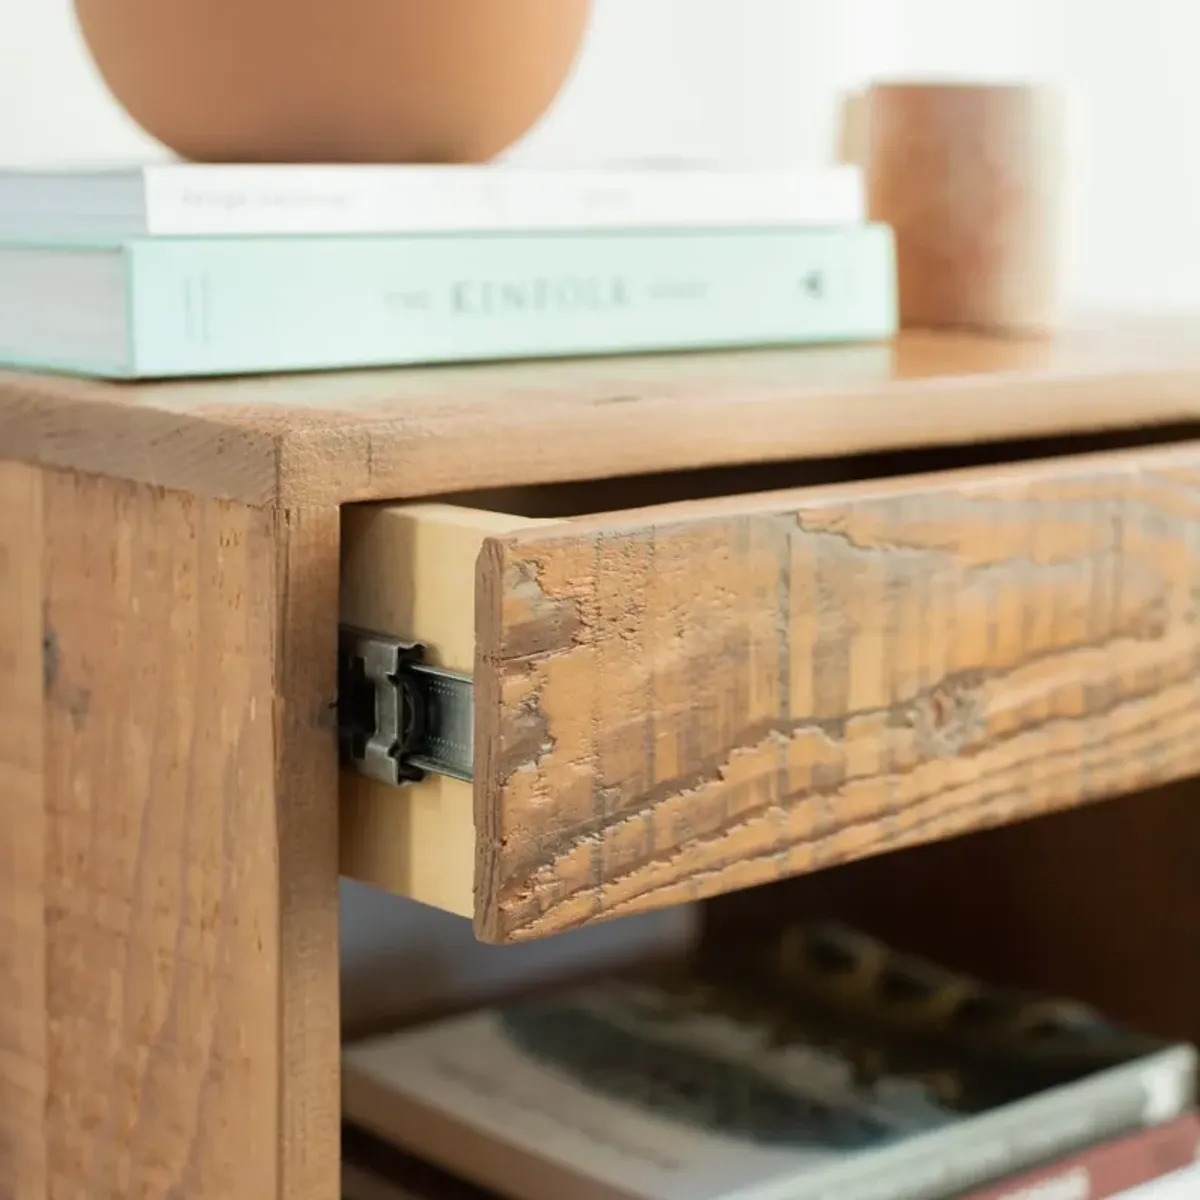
point(693, 698)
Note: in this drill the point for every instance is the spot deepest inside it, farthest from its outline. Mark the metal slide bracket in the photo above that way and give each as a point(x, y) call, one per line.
point(400, 719)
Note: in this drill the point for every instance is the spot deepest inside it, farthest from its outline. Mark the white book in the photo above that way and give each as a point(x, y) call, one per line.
point(623, 1093)
point(183, 200)
point(1184, 1185)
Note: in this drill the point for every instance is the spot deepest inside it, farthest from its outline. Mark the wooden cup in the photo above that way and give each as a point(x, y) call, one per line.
point(970, 177)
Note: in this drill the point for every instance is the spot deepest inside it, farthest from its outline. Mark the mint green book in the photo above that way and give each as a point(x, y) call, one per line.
point(170, 307)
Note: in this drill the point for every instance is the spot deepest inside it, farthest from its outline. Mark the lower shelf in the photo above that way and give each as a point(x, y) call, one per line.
point(361, 1184)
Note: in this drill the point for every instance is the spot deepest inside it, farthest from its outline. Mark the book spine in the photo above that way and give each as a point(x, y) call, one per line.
point(209, 307)
point(1109, 1169)
point(995, 1145)
point(236, 201)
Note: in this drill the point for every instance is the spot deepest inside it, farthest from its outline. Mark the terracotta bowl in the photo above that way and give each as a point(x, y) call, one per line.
point(335, 80)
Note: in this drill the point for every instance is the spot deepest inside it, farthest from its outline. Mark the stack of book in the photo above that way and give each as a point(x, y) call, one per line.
point(196, 270)
point(814, 1063)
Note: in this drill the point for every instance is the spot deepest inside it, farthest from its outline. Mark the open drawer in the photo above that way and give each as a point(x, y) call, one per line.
point(695, 697)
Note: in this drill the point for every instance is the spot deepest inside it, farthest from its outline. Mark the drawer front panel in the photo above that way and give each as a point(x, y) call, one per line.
point(699, 698)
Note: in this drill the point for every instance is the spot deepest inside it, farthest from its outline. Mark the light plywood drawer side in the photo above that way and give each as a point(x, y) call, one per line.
point(696, 697)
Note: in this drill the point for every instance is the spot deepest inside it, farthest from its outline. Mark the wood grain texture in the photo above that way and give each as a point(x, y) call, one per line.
point(328, 439)
point(22, 840)
point(142, 434)
point(709, 696)
point(306, 812)
point(190, 905)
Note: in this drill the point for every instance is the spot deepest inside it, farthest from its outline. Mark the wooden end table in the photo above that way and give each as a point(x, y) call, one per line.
point(793, 647)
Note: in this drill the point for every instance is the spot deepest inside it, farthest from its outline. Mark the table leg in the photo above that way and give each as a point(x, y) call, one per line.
point(170, 907)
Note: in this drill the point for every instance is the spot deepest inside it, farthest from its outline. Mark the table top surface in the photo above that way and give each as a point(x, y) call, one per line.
point(324, 439)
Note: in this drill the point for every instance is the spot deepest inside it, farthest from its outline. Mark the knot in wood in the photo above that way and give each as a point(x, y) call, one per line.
point(947, 718)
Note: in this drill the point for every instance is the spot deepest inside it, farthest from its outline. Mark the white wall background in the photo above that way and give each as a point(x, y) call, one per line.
point(759, 80)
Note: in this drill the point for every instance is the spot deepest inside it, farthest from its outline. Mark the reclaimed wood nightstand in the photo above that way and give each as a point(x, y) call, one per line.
point(718, 620)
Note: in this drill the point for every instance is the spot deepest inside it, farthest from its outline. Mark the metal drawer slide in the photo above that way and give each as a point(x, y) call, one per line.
point(400, 719)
